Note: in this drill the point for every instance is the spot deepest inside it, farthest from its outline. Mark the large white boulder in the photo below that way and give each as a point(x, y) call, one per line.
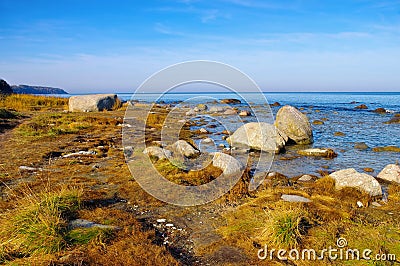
point(294, 124)
point(92, 103)
point(258, 136)
point(351, 178)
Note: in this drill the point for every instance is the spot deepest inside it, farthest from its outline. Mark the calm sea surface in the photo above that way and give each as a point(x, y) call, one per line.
point(340, 115)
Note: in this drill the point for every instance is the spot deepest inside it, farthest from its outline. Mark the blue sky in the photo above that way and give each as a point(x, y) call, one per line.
point(113, 46)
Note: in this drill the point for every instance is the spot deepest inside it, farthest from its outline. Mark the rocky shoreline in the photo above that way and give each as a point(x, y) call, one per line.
point(85, 149)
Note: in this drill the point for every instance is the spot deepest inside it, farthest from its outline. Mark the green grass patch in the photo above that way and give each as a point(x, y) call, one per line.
point(82, 236)
point(37, 224)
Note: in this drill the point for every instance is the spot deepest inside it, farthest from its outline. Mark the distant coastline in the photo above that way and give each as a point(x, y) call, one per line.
point(29, 89)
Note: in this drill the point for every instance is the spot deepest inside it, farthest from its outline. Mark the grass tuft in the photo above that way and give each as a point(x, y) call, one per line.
point(95, 235)
point(286, 229)
point(37, 224)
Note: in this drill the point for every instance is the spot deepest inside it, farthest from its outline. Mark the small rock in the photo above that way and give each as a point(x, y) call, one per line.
point(228, 164)
point(230, 101)
point(28, 168)
point(361, 106)
point(305, 178)
point(318, 122)
point(217, 109)
point(128, 151)
point(361, 146)
point(368, 170)
point(390, 173)
point(158, 152)
point(191, 112)
point(169, 225)
point(230, 112)
point(317, 152)
point(207, 140)
point(244, 113)
point(202, 107)
point(376, 204)
point(360, 204)
point(184, 148)
point(161, 220)
point(339, 134)
point(80, 153)
point(380, 111)
point(294, 198)
point(386, 149)
point(203, 130)
point(81, 223)
point(276, 104)
point(394, 120)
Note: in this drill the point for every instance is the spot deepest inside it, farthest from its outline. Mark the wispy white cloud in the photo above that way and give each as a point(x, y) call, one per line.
point(205, 15)
point(394, 4)
point(390, 28)
point(274, 5)
point(209, 15)
point(163, 29)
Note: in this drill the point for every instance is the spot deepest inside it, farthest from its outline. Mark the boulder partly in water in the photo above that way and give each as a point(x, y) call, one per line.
point(259, 136)
point(294, 124)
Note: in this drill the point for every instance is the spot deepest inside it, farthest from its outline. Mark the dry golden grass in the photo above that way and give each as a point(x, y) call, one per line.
point(75, 132)
point(266, 219)
point(26, 102)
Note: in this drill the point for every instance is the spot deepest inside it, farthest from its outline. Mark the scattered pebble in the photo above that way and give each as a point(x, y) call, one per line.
point(161, 220)
point(203, 130)
point(360, 204)
point(376, 204)
point(28, 168)
point(305, 178)
point(294, 198)
point(79, 153)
